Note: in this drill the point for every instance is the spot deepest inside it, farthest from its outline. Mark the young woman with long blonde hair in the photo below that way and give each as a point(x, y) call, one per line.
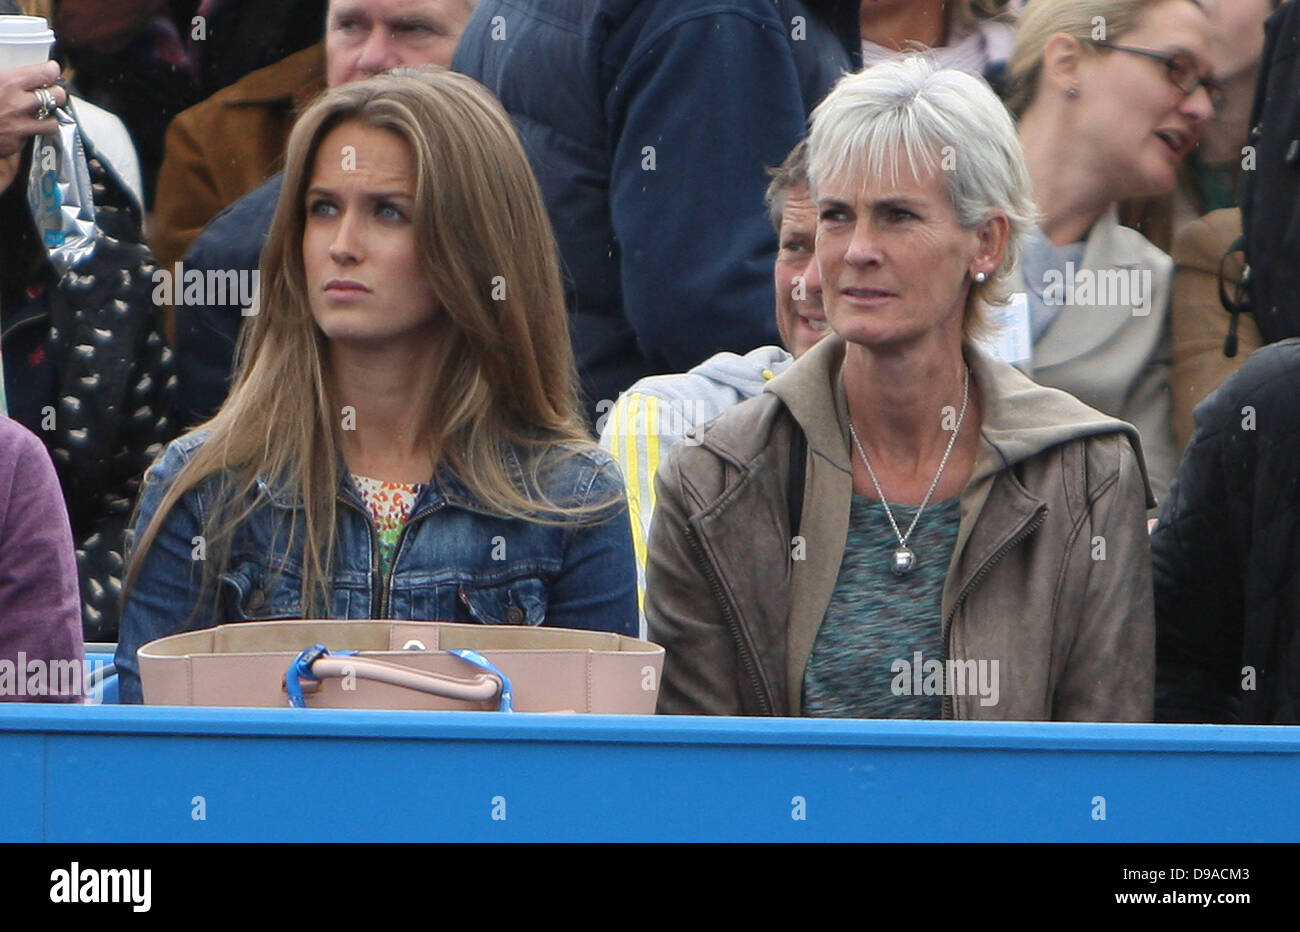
point(403, 438)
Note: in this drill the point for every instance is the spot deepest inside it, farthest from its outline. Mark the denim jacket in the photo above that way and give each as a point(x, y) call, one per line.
point(455, 561)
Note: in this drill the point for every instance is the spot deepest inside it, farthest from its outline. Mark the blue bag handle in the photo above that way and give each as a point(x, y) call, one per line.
point(300, 668)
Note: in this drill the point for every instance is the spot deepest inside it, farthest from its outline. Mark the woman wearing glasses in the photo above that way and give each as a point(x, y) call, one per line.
point(1111, 95)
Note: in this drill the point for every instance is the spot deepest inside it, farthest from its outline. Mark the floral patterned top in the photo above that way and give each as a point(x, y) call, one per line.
point(389, 504)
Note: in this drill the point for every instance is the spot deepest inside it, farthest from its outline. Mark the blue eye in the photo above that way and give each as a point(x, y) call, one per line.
point(321, 208)
point(390, 212)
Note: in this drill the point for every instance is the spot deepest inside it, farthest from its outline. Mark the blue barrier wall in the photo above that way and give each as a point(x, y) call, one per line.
point(183, 774)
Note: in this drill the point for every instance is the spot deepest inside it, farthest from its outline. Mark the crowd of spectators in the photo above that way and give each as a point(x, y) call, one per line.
point(866, 356)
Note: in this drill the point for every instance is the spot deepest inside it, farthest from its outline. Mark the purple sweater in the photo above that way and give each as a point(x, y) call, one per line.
point(40, 606)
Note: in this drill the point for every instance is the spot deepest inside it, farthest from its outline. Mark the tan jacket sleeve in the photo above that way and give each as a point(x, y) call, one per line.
point(186, 199)
point(1198, 319)
point(1110, 675)
point(187, 196)
point(683, 613)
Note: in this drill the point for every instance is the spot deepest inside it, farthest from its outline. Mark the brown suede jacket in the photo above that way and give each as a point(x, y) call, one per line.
point(1198, 320)
point(1050, 574)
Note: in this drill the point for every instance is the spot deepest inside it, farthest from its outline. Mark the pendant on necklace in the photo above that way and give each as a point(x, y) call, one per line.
point(904, 560)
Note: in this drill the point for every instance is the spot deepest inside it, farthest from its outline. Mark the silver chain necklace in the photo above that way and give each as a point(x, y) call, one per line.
point(904, 558)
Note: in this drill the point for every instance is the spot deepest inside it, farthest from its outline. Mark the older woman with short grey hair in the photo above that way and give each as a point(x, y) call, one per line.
point(903, 525)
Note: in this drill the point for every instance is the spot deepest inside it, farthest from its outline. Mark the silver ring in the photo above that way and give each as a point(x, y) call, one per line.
point(45, 103)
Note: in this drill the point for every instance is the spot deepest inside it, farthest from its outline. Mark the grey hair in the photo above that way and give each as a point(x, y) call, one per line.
point(938, 120)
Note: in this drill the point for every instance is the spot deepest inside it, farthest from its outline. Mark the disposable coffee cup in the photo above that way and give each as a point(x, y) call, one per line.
point(24, 40)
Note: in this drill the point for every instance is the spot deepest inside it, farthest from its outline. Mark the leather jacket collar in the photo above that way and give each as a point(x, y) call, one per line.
point(1019, 417)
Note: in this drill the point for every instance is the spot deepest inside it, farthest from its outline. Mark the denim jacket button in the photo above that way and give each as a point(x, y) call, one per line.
point(514, 615)
point(256, 599)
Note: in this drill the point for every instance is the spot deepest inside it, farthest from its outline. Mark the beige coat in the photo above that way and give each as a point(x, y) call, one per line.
point(1198, 320)
point(1050, 574)
point(1111, 358)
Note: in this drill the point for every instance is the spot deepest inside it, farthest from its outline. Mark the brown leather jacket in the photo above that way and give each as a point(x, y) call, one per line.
point(1050, 574)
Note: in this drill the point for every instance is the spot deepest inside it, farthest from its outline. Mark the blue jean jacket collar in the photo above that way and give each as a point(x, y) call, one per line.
point(446, 488)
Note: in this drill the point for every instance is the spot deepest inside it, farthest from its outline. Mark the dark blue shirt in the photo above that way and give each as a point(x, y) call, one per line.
point(206, 333)
point(31, 381)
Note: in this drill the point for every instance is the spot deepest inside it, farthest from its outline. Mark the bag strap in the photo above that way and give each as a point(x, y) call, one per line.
point(318, 662)
point(1240, 300)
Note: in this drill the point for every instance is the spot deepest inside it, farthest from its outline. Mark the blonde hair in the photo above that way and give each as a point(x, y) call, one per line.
point(910, 111)
point(44, 8)
point(965, 15)
point(1080, 19)
point(506, 384)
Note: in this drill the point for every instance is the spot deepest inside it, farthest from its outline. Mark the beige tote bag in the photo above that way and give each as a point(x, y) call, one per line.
point(402, 665)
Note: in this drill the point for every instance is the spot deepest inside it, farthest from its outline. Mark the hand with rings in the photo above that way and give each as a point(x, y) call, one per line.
point(28, 98)
point(45, 103)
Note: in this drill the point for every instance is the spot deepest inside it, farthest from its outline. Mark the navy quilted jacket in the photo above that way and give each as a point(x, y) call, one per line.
point(649, 124)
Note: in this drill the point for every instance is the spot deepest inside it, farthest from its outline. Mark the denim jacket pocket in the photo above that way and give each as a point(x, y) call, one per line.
point(253, 592)
point(516, 602)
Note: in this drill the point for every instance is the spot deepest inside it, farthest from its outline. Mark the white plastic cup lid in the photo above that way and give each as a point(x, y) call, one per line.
point(25, 30)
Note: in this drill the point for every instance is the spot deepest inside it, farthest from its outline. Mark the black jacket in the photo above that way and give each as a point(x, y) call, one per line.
point(1227, 554)
point(87, 370)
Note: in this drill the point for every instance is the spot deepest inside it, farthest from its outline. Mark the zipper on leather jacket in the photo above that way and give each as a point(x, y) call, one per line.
point(764, 702)
point(386, 586)
point(1040, 515)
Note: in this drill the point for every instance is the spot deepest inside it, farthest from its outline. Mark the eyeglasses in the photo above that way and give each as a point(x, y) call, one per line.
point(1180, 69)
